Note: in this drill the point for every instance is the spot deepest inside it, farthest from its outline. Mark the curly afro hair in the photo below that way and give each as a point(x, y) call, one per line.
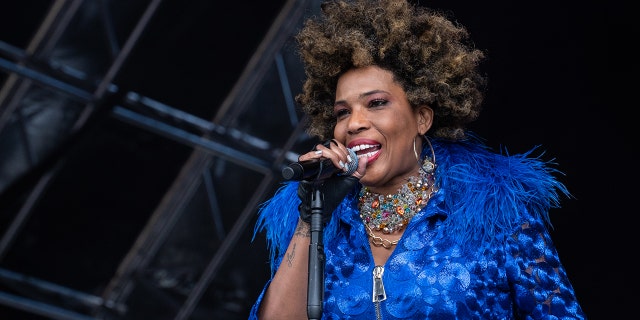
point(430, 56)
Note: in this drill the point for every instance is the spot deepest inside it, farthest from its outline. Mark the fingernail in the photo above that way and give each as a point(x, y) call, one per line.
point(349, 158)
point(342, 165)
point(319, 152)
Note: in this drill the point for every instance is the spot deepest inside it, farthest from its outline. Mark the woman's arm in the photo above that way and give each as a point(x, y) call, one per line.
point(540, 283)
point(286, 296)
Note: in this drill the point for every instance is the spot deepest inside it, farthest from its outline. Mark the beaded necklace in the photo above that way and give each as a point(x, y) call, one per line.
point(392, 213)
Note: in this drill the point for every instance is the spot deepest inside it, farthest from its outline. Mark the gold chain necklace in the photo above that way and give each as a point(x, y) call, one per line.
point(392, 213)
point(379, 241)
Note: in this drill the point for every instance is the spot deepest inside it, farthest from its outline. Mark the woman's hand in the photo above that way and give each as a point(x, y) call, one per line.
point(334, 188)
point(339, 155)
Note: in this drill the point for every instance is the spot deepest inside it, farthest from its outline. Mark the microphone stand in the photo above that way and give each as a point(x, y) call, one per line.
point(315, 289)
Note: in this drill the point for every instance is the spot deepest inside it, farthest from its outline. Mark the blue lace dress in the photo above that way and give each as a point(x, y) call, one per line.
point(480, 249)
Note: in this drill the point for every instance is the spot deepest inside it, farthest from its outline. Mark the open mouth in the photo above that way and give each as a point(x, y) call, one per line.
point(366, 150)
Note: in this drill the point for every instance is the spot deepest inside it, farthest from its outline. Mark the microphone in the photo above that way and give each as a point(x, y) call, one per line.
point(318, 169)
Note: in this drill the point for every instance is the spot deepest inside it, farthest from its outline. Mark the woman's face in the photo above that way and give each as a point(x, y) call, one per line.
point(375, 119)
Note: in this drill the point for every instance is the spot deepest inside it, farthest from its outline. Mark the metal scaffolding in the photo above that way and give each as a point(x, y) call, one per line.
point(175, 264)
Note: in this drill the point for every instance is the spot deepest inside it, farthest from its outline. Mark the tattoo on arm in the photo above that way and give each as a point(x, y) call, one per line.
point(303, 230)
point(291, 255)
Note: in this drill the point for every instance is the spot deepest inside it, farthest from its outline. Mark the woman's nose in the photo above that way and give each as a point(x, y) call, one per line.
point(358, 121)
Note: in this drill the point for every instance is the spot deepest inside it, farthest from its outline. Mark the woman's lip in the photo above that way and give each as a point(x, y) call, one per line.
point(373, 157)
point(360, 147)
point(361, 142)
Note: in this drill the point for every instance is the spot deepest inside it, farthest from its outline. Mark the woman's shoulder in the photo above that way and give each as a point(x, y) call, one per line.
point(486, 192)
point(472, 161)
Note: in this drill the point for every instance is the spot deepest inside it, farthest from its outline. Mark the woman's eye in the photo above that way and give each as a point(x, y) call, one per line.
point(377, 103)
point(340, 113)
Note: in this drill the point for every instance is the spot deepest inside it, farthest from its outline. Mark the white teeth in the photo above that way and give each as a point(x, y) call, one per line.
point(362, 147)
point(368, 154)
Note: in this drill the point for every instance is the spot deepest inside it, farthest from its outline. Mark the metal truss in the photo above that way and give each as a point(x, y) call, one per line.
point(178, 264)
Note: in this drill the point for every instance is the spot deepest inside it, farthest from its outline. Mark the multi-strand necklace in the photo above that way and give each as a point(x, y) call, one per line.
point(392, 213)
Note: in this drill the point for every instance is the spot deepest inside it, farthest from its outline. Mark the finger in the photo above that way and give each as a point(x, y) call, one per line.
point(340, 149)
point(335, 152)
point(314, 154)
point(343, 153)
point(362, 167)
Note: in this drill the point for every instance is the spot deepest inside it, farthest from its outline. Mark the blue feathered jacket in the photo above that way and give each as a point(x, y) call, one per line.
point(480, 249)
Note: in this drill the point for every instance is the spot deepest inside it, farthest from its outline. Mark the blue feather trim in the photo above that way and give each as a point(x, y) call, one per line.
point(483, 194)
point(278, 217)
point(487, 193)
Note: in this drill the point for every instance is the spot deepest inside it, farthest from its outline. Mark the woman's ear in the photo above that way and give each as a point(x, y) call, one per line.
point(424, 115)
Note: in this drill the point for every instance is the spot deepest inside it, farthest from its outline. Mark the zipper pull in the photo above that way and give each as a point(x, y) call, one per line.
point(378, 286)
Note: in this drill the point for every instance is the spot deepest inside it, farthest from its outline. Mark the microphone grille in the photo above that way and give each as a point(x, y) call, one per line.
point(352, 166)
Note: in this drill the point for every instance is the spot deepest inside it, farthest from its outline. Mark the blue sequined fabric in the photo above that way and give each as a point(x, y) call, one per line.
point(431, 276)
point(508, 270)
